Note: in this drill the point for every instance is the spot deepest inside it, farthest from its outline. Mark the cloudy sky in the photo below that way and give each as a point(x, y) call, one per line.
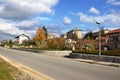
point(59, 16)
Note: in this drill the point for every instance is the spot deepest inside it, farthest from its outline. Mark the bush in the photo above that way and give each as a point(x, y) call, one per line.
point(95, 52)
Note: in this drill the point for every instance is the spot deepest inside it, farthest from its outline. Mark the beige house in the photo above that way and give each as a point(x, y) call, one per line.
point(50, 36)
point(76, 31)
point(64, 36)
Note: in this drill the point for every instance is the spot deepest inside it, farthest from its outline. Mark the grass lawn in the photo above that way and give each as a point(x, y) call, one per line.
point(6, 70)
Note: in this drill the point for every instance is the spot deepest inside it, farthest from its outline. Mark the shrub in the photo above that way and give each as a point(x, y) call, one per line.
point(95, 52)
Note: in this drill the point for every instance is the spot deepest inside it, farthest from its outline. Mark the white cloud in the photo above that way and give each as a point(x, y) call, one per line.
point(85, 18)
point(16, 16)
point(27, 23)
point(67, 20)
point(9, 27)
point(94, 10)
point(111, 19)
point(72, 13)
point(2, 7)
point(42, 18)
point(22, 9)
point(114, 2)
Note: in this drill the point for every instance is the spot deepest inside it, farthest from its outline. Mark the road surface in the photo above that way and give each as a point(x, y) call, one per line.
point(61, 68)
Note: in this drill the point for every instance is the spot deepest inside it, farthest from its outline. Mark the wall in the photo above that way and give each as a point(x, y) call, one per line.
point(96, 57)
point(22, 38)
point(47, 52)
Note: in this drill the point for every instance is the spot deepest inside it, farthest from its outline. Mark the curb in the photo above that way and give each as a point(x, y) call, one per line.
point(98, 62)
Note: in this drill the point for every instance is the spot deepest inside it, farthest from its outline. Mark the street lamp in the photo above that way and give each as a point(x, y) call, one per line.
point(99, 38)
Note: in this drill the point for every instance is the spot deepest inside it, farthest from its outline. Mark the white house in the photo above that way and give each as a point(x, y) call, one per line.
point(21, 38)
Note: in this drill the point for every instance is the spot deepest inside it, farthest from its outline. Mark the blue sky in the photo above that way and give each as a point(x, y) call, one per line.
point(59, 16)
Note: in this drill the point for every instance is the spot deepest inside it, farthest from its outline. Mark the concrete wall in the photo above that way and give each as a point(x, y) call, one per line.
point(56, 53)
point(105, 58)
point(47, 52)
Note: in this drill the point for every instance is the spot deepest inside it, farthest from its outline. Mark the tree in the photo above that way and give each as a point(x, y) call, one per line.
point(4, 42)
point(39, 38)
point(40, 35)
point(74, 37)
point(10, 43)
point(45, 31)
point(56, 43)
point(102, 31)
point(89, 35)
point(26, 42)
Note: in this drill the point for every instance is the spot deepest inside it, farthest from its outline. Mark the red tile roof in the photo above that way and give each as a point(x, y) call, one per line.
point(103, 38)
point(114, 31)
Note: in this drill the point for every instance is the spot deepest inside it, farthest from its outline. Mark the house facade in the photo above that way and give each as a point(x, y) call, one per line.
point(21, 38)
point(64, 36)
point(114, 39)
point(76, 31)
point(69, 35)
point(50, 36)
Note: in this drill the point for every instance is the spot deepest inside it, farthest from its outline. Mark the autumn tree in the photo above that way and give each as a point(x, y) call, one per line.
point(39, 38)
point(4, 42)
point(56, 43)
point(74, 37)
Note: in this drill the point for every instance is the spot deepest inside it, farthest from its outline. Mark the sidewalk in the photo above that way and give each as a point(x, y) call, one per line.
point(98, 62)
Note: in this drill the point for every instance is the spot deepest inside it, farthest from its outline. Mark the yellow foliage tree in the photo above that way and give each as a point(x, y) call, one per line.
point(56, 43)
point(40, 36)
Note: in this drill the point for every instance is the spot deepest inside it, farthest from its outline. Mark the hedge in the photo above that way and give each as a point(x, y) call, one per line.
point(95, 52)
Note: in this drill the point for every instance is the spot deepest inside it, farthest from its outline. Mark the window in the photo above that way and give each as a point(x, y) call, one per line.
point(111, 39)
point(119, 38)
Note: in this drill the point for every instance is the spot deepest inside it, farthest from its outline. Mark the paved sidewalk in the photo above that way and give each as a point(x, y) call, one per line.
point(99, 62)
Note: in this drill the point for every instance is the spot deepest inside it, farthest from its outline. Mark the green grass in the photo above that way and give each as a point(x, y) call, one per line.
point(6, 70)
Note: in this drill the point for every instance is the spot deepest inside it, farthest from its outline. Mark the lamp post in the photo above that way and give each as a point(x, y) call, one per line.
point(99, 38)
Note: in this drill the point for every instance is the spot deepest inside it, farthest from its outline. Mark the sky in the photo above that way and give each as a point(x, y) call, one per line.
point(59, 16)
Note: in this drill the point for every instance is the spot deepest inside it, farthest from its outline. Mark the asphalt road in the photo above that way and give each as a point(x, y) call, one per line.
point(60, 68)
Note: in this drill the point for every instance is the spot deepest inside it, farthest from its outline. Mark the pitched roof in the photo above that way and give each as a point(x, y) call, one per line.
point(75, 29)
point(103, 38)
point(114, 31)
point(20, 35)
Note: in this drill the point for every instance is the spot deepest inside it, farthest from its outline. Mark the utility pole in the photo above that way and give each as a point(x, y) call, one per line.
point(99, 38)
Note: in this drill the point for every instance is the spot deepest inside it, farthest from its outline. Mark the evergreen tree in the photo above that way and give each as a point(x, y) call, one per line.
point(45, 31)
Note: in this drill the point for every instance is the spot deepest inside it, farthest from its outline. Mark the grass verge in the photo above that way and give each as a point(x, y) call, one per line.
point(6, 70)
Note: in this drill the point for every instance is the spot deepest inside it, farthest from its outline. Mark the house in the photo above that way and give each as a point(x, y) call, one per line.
point(104, 40)
point(114, 39)
point(69, 35)
point(103, 32)
point(86, 44)
point(76, 31)
point(20, 38)
point(64, 36)
point(50, 36)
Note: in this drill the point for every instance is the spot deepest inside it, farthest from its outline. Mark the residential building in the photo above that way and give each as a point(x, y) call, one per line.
point(70, 38)
point(104, 40)
point(64, 36)
point(69, 35)
point(20, 38)
point(86, 44)
point(103, 32)
point(76, 31)
point(114, 39)
point(50, 36)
